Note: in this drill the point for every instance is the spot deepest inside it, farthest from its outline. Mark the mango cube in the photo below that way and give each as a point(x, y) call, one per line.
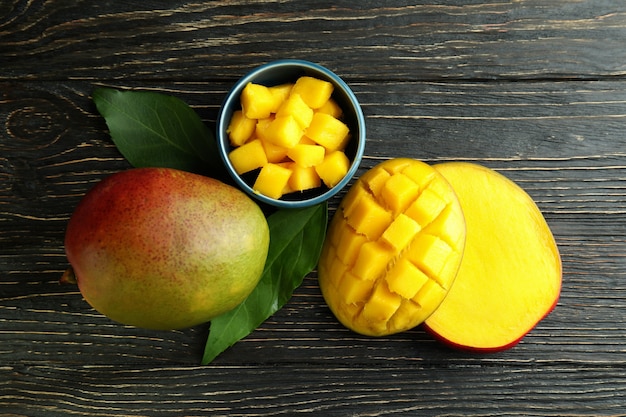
point(369, 218)
point(406, 279)
point(274, 153)
point(349, 244)
point(399, 191)
point(426, 207)
point(248, 157)
point(240, 128)
point(280, 93)
point(257, 101)
point(327, 131)
point(430, 254)
point(284, 131)
point(376, 180)
point(353, 289)
point(303, 178)
point(334, 167)
point(272, 180)
point(307, 141)
point(401, 232)
point(260, 129)
point(332, 108)
point(371, 261)
point(314, 92)
point(296, 107)
point(307, 155)
point(381, 305)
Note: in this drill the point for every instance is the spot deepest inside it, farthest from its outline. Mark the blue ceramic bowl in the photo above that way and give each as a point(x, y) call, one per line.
point(280, 72)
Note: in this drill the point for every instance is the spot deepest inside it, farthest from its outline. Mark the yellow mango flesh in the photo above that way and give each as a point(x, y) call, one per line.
point(303, 178)
point(306, 155)
point(240, 128)
point(385, 269)
point(327, 131)
point(296, 107)
point(248, 157)
point(272, 180)
point(333, 168)
point(284, 131)
point(314, 92)
point(510, 275)
point(257, 101)
point(332, 108)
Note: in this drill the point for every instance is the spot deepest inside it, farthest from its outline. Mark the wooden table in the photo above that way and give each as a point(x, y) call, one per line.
point(532, 88)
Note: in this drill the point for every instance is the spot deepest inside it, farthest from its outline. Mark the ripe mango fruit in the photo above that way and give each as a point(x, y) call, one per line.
point(163, 249)
point(393, 248)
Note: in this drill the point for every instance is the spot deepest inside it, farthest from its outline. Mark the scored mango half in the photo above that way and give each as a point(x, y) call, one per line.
point(393, 248)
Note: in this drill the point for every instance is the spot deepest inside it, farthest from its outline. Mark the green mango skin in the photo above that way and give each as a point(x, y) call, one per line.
point(163, 249)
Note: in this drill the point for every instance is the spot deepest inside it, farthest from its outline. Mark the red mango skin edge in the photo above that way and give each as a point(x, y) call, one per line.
point(496, 349)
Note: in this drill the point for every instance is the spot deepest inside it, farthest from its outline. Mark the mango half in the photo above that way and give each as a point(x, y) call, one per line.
point(164, 249)
point(393, 248)
point(510, 276)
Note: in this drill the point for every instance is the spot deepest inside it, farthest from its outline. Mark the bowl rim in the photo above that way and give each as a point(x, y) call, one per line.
point(233, 96)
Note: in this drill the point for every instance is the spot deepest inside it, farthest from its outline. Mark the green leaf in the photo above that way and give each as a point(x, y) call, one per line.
point(157, 130)
point(296, 238)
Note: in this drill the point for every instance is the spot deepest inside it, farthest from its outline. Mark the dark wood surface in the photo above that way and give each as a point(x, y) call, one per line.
point(532, 88)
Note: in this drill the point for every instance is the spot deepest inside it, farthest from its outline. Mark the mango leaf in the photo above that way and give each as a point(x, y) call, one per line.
point(296, 238)
point(157, 130)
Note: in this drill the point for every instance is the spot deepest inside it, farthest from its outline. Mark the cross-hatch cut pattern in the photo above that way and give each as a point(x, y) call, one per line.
point(394, 247)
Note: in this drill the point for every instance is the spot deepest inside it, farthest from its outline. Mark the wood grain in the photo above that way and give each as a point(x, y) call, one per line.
point(332, 391)
point(362, 40)
point(533, 89)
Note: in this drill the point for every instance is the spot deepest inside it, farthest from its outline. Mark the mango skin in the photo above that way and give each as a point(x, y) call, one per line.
point(164, 249)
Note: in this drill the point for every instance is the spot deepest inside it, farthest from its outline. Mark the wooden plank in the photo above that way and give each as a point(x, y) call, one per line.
point(532, 389)
point(397, 40)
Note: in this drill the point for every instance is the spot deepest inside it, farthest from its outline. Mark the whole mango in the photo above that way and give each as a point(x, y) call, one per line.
point(160, 248)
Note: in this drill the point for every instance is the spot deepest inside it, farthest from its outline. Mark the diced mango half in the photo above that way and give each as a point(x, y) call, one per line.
point(298, 128)
point(392, 233)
